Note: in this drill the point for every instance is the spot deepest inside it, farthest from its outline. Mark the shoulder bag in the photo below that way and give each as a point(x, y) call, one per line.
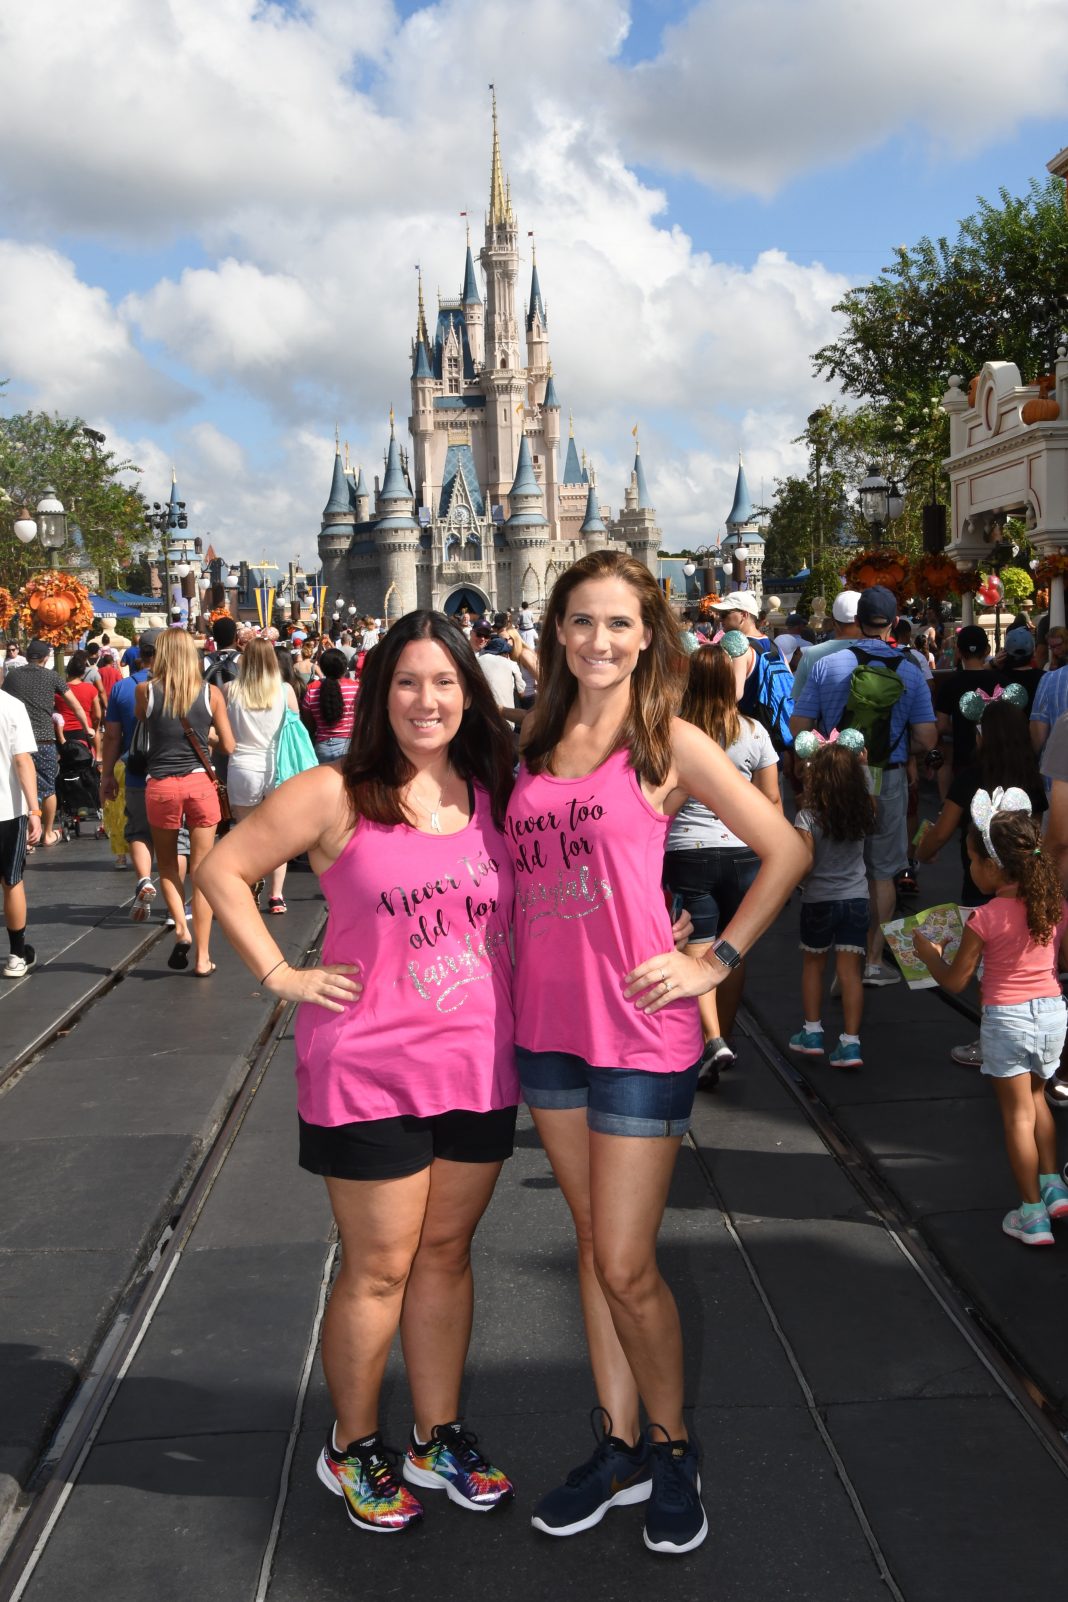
point(225, 811)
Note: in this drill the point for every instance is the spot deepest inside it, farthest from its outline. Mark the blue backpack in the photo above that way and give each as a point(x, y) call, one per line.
point(768, 694)
point(291, 750)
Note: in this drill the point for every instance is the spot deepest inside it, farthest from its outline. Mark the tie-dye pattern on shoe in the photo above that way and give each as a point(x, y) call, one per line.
point(451, 1462)
point(375, 1499)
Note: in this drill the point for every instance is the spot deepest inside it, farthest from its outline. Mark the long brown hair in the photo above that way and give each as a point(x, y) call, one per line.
point(656, 684)
point(837, 794)
point(1017, 839)
point(375, 769)
point(710, 700)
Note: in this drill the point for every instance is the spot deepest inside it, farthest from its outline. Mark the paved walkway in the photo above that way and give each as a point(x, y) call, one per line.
point(850, 1431)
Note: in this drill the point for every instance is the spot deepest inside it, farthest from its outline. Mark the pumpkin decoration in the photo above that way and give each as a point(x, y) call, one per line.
point(1041, 408)
point(218, 612)
point(54, 607)
point(885, 566)
point(935, 576)
point(7, 607)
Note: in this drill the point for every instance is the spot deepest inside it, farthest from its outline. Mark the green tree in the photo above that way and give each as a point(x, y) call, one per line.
point(39, 450)
point(945, 307)
point(826, 577)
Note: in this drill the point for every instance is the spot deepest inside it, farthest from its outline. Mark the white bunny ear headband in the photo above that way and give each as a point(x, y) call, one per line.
point(986, 807)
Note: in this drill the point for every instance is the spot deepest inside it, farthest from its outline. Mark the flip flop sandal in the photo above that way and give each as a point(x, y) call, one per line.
point(205, 973)
point(276, 905)
point(179, 957)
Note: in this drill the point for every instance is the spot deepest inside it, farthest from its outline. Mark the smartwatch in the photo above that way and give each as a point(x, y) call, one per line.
point(726, 953)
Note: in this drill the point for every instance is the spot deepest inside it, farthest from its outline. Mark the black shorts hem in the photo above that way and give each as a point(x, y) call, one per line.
point(396, 1148)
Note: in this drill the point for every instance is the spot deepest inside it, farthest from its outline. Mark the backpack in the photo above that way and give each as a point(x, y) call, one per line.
point(222, 669)
point(768, 695)
point(875, 688)
point(291, 750)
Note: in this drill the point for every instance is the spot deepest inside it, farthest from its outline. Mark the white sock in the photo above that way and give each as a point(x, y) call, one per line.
point(813, 1028)
point(849, 1040)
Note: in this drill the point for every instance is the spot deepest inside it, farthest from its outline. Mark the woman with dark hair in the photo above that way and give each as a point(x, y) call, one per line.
point(706, 866)
point(87, 697)
point(289, 673)
point(608, 1030)
point(406, 1077)
point(329, 704)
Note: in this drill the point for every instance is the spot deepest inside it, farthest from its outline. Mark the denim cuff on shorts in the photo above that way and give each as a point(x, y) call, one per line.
point(618, 1101)
point(842, 924)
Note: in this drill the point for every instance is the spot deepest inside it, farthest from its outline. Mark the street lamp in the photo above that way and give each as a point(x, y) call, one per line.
point(25, 528)
point(164, 520)
point(881, 502)
point(51, 521)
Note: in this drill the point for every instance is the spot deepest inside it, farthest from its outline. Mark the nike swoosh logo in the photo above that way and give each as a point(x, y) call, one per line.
point(621, 1485)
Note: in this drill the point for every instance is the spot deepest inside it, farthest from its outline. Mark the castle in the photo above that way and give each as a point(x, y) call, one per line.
point(478, 513)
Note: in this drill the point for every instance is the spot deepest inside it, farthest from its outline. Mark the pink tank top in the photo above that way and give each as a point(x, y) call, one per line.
point(589, 857)
point(426, 917)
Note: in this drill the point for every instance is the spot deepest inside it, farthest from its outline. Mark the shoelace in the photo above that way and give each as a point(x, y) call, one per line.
point(462, 1442)
point(673, 1487)
point(379, 1470)
point(601, 1416)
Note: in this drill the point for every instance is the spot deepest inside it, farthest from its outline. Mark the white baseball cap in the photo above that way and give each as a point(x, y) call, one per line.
point(738, 601)
point(844, 609)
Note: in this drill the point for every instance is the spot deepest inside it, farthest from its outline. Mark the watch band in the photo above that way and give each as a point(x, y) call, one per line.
point(726, 953)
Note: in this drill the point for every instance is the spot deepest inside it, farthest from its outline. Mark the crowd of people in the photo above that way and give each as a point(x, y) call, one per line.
point(546, 847)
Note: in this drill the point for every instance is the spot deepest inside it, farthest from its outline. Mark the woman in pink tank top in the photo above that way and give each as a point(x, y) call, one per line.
point(406, 1080)
point(607, 1025)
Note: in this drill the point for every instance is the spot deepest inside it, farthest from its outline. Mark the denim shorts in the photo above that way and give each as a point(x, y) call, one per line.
point(842, 924)
point(1026, 1037)
point(618, 1101)
point(330, 750)
point(711, 883)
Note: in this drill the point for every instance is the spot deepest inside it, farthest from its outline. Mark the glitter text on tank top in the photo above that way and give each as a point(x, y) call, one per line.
point(446, 920)
point(559, 838)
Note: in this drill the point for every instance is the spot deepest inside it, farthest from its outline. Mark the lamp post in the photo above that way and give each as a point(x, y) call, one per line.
point(881, 501)
point(165, 520)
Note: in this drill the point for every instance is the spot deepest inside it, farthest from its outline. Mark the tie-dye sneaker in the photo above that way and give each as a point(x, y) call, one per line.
point(363, 1474)
point(451, 1462)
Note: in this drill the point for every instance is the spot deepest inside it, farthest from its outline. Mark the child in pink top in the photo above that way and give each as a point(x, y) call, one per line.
point(1020, 937)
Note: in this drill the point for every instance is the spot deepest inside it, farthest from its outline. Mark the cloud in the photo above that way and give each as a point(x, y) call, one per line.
point(747, 94)
point(65, 348)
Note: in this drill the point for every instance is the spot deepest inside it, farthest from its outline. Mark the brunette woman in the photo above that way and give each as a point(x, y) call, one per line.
point(707, 866)
point(329, 704)
point(608, 1030)
point(406, 1077)
point(178, 785)
point(88, 698)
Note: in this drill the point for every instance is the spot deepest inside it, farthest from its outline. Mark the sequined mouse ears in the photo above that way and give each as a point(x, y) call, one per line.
point(973, 703)
point(986, 807)
point(734, 642)
point(808, 742)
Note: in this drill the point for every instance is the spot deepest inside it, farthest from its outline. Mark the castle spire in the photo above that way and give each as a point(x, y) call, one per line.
point(420, 332)
point(741, 513)
point(500, 211)
point(537, 305)
point(592, 523)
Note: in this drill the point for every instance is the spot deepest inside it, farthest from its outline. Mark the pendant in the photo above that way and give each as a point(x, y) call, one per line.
point(435, 821)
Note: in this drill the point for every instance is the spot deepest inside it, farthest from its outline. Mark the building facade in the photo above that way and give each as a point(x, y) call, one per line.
point(477, 510)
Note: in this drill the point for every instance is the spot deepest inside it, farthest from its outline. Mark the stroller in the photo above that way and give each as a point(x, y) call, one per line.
point(78, 788)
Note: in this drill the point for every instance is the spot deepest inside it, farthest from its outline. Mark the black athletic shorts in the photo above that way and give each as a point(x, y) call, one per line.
point(13, 832)
point(392, 1148)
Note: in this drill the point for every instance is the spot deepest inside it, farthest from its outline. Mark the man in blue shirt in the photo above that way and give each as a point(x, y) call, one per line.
point(821, 705)
point(120, 720)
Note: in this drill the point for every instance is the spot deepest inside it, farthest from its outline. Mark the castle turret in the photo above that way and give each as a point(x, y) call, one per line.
point(473, 312)
point(361, 496)
point(528, 530)
point(537, 332)
point(550, 422)
point(424, 388)
point(744, 543)
point(503, 377)
point(396, 532)
point(339, 519)
point(637, 525)
point(593, 530)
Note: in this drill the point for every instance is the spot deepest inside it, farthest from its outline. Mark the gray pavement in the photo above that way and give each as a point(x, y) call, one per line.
point(848, 1426)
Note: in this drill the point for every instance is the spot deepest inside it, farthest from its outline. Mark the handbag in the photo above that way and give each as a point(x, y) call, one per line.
point(136, 758)
point(292, 751)
point(225, 810)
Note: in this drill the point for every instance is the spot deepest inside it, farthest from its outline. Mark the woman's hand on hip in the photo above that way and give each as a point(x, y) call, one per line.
point(667, 977)
point(330, 986)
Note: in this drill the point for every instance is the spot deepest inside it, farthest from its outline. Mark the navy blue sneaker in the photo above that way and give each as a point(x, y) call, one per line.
point(615, 1476)
point(675, 1521)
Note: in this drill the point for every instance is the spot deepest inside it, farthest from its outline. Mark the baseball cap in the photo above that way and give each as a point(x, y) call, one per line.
point(738, 601)
point(844, 609)
point(147, 640)
point(972, 640)
point(38, 651)
point(877, 607)
point(483, 631)
point(1020, 644)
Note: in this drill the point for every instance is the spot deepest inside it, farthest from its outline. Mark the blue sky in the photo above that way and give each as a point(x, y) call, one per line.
point(218, 272)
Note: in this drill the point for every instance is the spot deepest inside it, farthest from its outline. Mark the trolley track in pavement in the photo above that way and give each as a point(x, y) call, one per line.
point(1005, 1365)
point(58, 1469)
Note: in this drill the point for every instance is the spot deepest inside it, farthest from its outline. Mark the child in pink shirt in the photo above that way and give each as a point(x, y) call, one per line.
point(1020, 936)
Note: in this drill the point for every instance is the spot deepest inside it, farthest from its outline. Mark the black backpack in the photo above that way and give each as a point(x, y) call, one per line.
point(222, 669)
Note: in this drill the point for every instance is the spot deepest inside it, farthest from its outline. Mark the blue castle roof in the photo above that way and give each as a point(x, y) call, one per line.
point(525, 486)
point(421, 367)
point(536, 302)
point(394, 485)
point(572, 465)
point(459, 461)
point(742, 510)
point(550, 393)
point(339, 490)
point(450, 317)
point(361, 486)
point(470, 294)
point(644, 503)
point(592, 523)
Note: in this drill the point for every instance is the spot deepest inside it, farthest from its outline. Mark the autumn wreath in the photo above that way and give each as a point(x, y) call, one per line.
point(885, 566)
point(1050, 567)
point(219, 611)
point(7, 607)
point(55, 607)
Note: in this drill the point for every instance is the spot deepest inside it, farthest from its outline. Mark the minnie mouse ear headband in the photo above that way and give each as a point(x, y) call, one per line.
point(734, 642)
point(986, 807)
point(973, 703)
point(808, 742)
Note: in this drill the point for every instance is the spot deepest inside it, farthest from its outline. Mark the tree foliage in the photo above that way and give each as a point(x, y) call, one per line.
point(947, 307)
point(39, 451)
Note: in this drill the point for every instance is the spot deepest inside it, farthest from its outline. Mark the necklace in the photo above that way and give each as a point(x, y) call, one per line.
point(434, 812)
